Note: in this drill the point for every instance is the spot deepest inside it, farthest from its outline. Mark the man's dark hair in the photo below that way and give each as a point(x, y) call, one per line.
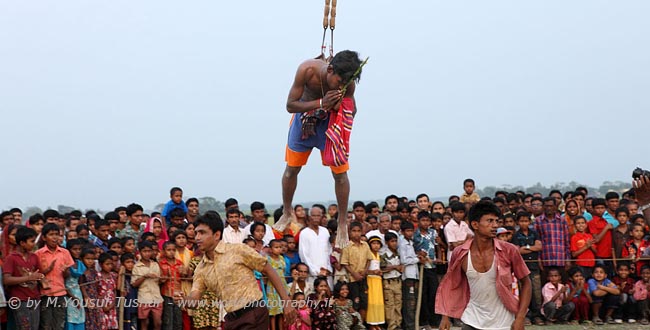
point(622, 209)
point(513, 197)
point(232, 211)
point(35, 218)
point(145, 235)
point(457, 206)
point(538, 199)
point(355, 224)
point(175, 189)
point(110, 216)
point(321, 207)
point(103, 257)
point(483, 208)
point(554, 191)
point(51, 214)
point(24, 233)
point(192, 199)
point(612, 195)
point(371, 206)
point(100, 223)
point(583, 190)
point(358, 204)
point(422, 195)
point(15, 209)
point(522, 215)
point(257, 206)
point(230, 202)
point(389, 236)
point(549, 199)
point(345, 64)
point(49, 227)
point(579, 193)
point(598, 201)
point(389, 197)
point(453, 197)
point(469, 181)
point(168, 243)
point(132, 208)
point(406, 225)
point(424, 214)
point(81, 227)
point(498, 200)
point(277, 214)
point(114, 240)
point(120, 209)
point(177, 213)
point(127, 256)
point(145, 244)
point(212, 220)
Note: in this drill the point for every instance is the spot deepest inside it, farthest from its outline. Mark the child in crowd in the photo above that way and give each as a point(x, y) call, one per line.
point(626, 285)
point(410, 276)
point(76, 318)
point(300, 285)
point(621, 234)
point(146, 276)
point(604, 295)
point(530, 244)
point(70, 235)
point(129, 245)
point(127, 291)
point(54, 263)
point(557, 305)
point(257, 232)
point(90, 290)
point(185, 256)
point(583, 246)
point(170, 280)
point(277, 262)
point(292, 250)
point(175, 202)
point(355, 259)
point(20, 276)
point(347, 318)
point(115, 244)
point(36, 222)
point(302, 321)
point(392, 271)
point(322, 315)
point(106, 289)
point(375, 313)
point(156, 226)
point(9, 238)
point(602, 232)
point(635, 248)
point(642, 295)
point(83, 232)
point(189, 230)
point(335, 260)
point(580, 296)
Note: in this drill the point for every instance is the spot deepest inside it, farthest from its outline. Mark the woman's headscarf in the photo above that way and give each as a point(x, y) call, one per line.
point(568, 218)
point(163, 233)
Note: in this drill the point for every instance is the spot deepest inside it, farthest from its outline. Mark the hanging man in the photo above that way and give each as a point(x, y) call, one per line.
point(316, 91)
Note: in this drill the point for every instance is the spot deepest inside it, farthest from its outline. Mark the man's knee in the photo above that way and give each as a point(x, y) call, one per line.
point(292, 171)
point(340, 177)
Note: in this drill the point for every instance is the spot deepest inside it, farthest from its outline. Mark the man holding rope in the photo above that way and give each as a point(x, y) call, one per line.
point(315, 92)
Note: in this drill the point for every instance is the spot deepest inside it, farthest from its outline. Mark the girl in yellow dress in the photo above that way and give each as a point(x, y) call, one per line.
point(375, 313)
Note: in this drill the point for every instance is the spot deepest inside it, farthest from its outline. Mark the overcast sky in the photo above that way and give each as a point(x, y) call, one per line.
point(104, 103)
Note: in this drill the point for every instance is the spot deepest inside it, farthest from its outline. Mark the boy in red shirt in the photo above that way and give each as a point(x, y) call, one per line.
point(170, 286)
point(583, 246)
point(602, 232)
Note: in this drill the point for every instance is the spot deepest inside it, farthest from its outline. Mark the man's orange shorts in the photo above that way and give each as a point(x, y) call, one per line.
point(298, 159)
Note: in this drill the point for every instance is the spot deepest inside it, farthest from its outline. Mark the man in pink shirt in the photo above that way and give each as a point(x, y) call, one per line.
point(476, 268)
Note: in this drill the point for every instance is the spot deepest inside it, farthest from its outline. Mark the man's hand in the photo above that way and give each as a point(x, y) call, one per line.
point(356, 276)
point(518, 324)
point(444, 323)
point(289, 313)
point(331, 98)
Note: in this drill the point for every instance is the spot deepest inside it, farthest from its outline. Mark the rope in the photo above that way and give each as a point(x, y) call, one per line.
point(329, 21)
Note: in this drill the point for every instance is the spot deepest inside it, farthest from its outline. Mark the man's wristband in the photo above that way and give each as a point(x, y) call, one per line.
point(644, 207)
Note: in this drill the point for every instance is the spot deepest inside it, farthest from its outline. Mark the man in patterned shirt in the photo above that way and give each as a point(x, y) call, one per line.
point(554, 233)
point(227, 270)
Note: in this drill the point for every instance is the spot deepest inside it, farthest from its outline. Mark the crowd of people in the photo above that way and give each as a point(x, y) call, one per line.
point(567, 257)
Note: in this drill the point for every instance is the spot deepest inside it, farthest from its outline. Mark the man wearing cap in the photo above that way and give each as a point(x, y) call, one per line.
point(477, 267)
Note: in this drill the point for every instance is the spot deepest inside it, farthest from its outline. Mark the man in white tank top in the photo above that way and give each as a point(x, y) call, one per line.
point(478, 267)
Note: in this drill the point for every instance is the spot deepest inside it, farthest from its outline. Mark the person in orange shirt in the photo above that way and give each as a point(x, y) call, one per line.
point(55, 262)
